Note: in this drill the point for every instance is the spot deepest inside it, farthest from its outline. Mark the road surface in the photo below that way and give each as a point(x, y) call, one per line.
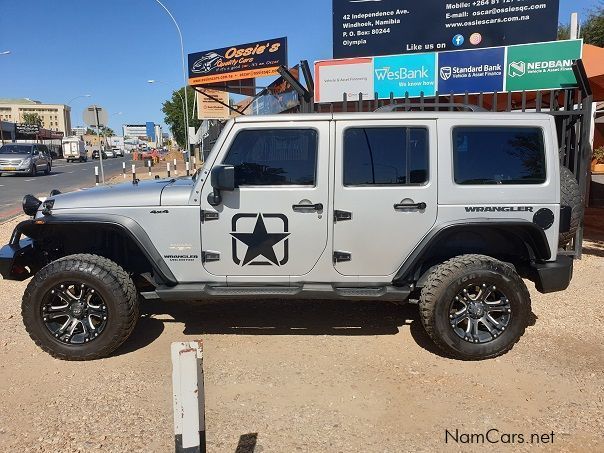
point(64, 176)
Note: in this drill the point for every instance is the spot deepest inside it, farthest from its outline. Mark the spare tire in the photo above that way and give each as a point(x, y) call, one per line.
point(570, 195)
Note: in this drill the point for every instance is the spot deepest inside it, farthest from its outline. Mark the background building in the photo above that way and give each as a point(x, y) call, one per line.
point(149, 133)
point(79, 130)
point(55, 117)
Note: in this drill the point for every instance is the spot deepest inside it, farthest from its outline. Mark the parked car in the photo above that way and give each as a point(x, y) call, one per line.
point(74, 149)
point(95, 154)
point(119, 152)
point(402, 207)
point(25, 158)
point(110, 153)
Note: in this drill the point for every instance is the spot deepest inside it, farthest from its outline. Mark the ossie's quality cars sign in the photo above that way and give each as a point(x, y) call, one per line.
point(245, 61)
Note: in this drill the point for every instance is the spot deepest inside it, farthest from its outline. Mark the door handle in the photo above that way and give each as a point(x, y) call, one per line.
point(420, 206)
point(308, 207)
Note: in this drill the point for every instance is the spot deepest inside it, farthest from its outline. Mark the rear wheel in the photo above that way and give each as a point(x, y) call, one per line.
point(474, 307)
point(80, 307)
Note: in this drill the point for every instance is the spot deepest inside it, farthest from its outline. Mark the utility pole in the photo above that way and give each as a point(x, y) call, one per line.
point(98, 133)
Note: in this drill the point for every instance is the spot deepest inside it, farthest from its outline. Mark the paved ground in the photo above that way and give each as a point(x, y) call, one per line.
point(317, 376)
point(64, 176)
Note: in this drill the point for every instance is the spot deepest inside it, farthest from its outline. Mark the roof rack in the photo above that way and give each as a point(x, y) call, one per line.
point(431, 106)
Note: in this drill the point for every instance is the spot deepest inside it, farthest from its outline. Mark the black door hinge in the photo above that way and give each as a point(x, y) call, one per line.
point(339, 257)
point(208, 256)
point(340, 216)
point(209, 215)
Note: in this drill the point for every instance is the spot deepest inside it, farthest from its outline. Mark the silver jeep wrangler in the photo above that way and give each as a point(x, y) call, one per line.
point(447, 209)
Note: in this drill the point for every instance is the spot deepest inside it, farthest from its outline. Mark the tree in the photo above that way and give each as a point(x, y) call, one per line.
point(32, 118)
point(174, 116)
point(104, 131)
point(592, 28)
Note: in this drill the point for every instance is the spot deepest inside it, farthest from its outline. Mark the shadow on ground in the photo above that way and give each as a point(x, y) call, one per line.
point(280, 317)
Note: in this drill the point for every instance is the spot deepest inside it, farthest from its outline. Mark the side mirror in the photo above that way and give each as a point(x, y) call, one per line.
point(223, 178)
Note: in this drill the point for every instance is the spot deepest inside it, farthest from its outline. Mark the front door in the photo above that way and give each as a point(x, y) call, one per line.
point(385, 198)
point(274, 224)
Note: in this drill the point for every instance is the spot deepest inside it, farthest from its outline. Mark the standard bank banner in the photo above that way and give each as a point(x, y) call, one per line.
point(541, 66)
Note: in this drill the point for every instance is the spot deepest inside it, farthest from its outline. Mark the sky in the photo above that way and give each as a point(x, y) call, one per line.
point(61, 49)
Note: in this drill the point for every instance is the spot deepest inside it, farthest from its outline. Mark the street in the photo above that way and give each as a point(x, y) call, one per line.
point(64, 176)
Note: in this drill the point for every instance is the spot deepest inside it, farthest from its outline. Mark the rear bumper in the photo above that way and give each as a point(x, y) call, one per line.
point(553, 276)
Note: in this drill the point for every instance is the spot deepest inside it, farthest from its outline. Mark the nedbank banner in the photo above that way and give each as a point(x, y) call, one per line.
point(540, 66)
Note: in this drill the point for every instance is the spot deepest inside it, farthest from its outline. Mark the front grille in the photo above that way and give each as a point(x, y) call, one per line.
point(11, 162)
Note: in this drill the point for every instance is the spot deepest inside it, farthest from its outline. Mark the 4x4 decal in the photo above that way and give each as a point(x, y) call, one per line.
point(260, 242)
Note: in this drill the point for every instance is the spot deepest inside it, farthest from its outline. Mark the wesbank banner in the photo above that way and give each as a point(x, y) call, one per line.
point(402, 74)
point(541, 66)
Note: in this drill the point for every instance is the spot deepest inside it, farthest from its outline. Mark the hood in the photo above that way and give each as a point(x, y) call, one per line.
point(15, 156)
point(145, 193)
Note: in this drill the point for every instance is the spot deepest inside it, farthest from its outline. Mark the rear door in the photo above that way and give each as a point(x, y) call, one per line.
point(385, 193)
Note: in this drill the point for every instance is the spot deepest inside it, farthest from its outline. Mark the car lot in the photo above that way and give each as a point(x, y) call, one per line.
point(64, 176)
point(316, 376)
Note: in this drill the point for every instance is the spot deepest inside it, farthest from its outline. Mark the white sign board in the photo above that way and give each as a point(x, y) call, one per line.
point(336, 77)
point(208, 108)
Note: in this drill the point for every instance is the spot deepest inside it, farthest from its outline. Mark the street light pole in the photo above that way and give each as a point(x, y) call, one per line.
point(184, 75)
point(184, 112)
point(65, 113)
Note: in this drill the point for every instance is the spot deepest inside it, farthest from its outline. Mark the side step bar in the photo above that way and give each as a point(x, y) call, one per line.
point(193, 291)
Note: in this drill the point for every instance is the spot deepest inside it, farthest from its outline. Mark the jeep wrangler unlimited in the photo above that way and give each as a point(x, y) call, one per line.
point(450, 210)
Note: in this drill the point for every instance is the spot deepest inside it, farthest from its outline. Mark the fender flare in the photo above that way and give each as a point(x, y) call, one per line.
point(124, 225)
point(531, 234)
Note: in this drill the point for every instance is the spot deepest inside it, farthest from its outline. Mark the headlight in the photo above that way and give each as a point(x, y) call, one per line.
point(26, 162)
point(31, 205)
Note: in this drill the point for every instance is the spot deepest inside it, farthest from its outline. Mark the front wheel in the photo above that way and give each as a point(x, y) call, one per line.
point(47, 169)
point(33, 171)
point(81, 307)
point(474, 307)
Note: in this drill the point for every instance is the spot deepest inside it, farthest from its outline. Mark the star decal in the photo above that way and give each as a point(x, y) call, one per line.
point(260, 242)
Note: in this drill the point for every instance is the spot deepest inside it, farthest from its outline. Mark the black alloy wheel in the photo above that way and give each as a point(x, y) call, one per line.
point(74, 312)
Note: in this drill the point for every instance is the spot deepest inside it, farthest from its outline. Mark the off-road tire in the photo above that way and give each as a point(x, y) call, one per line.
point(108, 279)
point(441, 287)
point(570, 195)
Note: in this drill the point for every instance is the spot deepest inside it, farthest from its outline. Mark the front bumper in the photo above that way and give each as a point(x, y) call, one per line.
point(553, 276)
point(16, 259)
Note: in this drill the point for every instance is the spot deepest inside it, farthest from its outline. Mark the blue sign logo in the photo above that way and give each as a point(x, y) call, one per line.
point(471, 71)
point(458, 40)
point(400, 74)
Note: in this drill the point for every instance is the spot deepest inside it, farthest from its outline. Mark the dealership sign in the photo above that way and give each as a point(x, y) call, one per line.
point(245, 61)
point(387, 27)
point(541, 66)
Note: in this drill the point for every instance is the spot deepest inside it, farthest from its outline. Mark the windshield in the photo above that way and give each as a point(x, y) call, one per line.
point(15, 149)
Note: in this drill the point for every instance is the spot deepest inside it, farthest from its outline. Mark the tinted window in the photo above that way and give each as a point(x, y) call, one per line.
point(498, 155)
point(274, 157)
point(386, 155)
